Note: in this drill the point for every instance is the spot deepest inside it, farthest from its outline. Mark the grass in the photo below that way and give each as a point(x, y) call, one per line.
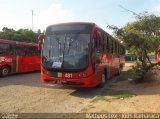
point(134, 61)
point(122, 94)
point(125, 75)
point(110, 94)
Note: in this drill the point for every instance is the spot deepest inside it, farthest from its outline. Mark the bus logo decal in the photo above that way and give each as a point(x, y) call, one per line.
point(3, 59)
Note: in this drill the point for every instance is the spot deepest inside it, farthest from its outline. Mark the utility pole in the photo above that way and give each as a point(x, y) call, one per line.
point(32, 19)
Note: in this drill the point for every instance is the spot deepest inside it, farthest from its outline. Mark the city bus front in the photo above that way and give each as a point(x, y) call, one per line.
point(65, 55)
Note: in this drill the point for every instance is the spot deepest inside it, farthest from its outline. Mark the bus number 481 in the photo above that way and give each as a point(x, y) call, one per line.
point(68, 75)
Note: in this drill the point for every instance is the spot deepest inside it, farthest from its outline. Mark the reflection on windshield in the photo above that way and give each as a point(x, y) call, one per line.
point(66, 51)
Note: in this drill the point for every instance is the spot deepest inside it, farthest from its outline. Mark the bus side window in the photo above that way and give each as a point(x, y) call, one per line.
point(97, 45)
point(105, 44)
point(17, 50)
point(30, 50)
point(24, 50)
point(93, 52)
point(117, 48)
point(102, 43)
point(6, 49)
point(106, 40)
point(35, 51)
point(110, 46)
point(10, 50)
point(113, 46)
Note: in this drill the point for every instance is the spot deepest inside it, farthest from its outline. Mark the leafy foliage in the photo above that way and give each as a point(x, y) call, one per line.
point(24, 35)
point(141, 37)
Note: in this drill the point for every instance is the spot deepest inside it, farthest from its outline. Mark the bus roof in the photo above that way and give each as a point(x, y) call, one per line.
point(72, 23)
point(5, 41)
point(17, 42)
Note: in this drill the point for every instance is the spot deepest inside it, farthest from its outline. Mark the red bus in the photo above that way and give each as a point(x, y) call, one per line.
point(18, 57)
point(79, 54)
point(157, 55)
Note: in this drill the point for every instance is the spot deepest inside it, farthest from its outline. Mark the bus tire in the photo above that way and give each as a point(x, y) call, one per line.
point(4, 71)
point(103, 80)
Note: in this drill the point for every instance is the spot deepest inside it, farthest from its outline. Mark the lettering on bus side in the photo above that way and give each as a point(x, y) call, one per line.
point(4, 59)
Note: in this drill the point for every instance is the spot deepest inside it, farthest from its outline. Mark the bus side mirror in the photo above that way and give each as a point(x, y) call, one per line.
point(40, 38)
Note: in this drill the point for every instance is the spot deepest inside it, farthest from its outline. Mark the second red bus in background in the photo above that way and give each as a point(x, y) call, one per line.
point(157, 55)
point(16, 57)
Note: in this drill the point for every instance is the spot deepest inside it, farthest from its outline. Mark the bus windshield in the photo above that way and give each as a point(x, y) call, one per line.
point(66, 51)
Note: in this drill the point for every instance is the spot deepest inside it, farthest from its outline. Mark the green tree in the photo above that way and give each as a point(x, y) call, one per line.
point(141, 37)
point(24, 35)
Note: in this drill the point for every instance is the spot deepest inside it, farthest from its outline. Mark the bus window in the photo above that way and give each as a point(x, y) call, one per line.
point(113, 48)
point(5, 49)
point(32, 50)
point(20, 50)
point(110, 45)
point(106, 42)
point(101, 41)
point(35, 51)
point(116, 48)
point(97, 44)
point(25, 51)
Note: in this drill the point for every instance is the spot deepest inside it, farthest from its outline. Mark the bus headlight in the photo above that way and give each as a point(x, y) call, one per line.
point(82, 75)
point(46, 72)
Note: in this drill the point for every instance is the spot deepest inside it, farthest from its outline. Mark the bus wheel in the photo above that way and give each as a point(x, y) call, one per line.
point(4, 71)
point(103, 80)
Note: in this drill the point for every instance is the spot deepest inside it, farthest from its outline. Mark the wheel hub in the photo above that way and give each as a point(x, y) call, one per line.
point(5, 72)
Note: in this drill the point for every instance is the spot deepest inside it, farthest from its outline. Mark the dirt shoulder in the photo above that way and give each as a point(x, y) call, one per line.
point(127, 97)
point(24, 93)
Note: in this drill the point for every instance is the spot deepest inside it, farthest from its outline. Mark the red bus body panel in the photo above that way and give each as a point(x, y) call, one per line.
point(28, 63)
point(158, 57)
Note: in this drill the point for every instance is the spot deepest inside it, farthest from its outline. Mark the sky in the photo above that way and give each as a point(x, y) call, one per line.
point(17, 14)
